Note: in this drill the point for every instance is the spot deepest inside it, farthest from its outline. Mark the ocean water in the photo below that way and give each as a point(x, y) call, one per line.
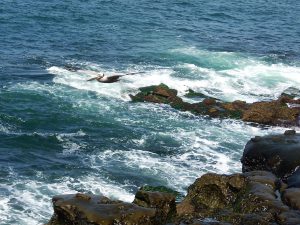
point(60, 134)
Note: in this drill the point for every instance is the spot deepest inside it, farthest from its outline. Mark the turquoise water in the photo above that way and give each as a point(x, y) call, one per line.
point(60, 134)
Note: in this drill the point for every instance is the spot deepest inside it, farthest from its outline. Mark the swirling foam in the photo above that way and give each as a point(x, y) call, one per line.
point(228, 76)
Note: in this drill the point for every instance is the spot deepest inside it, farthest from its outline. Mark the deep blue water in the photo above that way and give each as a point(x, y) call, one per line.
point(61, 134)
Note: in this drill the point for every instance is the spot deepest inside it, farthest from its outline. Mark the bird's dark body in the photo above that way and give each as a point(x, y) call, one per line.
point(111, 79)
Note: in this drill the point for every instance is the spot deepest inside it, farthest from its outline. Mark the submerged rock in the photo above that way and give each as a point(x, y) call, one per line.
point(291, 92)
point(192, 94)
point(284, 111)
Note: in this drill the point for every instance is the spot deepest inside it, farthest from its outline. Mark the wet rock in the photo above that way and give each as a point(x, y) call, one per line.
point(156, 94)
point(291, 92)
point(81, 209)
point(294, 179)
point(209, 106)
point(283, 111)
point(162, 189)
point(210, 192)
point(290, 132)
point(209, 101)
point(272, 113)
point(291, 197)
point(205, 222)
point(248, 198)
point(192, 94)
point(269, 196)
point(279, 154)
point(291, 217)
point(164, 203)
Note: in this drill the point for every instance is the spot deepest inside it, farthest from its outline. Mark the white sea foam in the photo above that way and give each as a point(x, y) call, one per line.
point(245, 78)
point(29, 201)
point(235, 76)
point(209, 149)
point(3, 129)
point(200, 145)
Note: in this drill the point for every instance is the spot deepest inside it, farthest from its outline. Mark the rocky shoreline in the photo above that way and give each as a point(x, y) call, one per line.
point(284, 111)
point(266, 193)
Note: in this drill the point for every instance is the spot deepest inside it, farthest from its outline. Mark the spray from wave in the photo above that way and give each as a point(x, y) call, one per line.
point(224, 75)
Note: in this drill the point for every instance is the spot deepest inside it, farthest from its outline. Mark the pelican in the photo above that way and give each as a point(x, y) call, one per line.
point(105, 79)
point(100, 77)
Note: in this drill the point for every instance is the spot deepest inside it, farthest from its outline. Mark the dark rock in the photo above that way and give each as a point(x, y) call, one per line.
point(294, 179)
point(209, 101)
point(255, 197)
point(248, 198)
point(192, 94)
point(291, 197)
point(199, 222)
point(290, 132)
point(164, 203)
point(162, 189)
point(211, 192)
point(272, 113)
point(291, 217)
point(279, 154)
point(256, 219)
point(81, 209)
point(291, 92)
point(209, 106)
point(275, 112)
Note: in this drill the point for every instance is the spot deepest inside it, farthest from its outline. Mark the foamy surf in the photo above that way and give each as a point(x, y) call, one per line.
point(33, 197)
point(224, 75)
point(231, 76)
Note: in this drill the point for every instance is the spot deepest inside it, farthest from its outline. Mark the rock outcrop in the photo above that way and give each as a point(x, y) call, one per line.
point(279, 154)
point(249, 198)
point(86, 209)
point(283, 111)
point(266, 193)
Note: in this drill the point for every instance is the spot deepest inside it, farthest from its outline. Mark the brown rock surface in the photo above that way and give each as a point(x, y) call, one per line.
point(164, 203)
point(276, 112)
point(81, 209)
point(291, 197)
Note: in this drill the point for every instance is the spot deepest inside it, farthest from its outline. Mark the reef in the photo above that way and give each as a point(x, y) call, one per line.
point(267, 192)
point(284, 111)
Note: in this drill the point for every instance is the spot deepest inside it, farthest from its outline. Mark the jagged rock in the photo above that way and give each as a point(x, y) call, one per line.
point(82, 209)
point(273, 112)
point(209, 106)
point(210, 192)
point(164, 203)
point(156, 94)
point(279, 154)
point(248, 198)
point(283, 111)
